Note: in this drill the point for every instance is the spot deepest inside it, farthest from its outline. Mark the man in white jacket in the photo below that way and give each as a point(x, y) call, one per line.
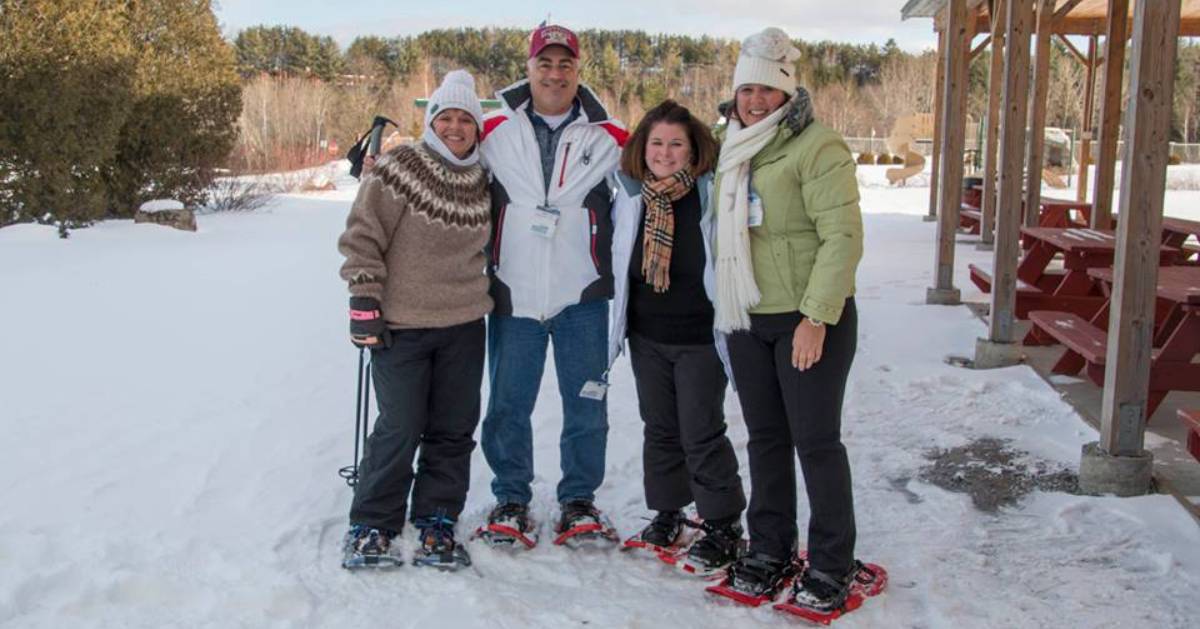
point(552, 150)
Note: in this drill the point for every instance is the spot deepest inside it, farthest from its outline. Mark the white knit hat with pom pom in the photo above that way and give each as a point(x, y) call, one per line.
point(767, 58)
point(457, 91)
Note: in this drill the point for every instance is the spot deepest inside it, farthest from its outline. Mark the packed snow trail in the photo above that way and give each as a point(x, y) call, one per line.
point(175, 407)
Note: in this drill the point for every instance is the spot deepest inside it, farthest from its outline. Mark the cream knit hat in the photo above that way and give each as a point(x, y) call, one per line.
point(456, 92)
point(767, 58)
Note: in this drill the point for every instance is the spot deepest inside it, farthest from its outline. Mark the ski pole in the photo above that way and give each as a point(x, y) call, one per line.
point(366, 405)
point(362, 405)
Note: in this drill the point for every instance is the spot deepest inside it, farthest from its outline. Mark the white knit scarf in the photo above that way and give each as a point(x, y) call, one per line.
point(737, 291)
point(430, 138)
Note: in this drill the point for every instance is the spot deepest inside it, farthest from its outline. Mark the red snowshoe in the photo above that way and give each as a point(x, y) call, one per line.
point(820, 599)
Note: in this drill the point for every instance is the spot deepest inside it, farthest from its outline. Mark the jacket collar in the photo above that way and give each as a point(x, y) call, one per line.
point(520, 96)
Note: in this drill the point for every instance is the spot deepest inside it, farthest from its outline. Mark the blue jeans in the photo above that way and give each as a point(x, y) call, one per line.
point(516, 360)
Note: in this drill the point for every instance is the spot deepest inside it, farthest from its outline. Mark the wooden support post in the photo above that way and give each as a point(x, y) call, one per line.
point(995, 87)
point(1143, 186)
point(1001, 328)
point(1035, 155)
point(939, 84)
point(954, 130)
point(1110, 111)
point(1088, 127)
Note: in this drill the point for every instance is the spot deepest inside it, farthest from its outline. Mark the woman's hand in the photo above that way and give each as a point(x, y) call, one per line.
point(807, 342)
point(368, 164)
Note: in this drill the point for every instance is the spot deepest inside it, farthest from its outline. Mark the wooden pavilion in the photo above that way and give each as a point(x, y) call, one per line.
point(1017, 92)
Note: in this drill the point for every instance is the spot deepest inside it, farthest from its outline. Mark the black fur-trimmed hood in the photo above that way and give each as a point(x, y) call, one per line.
point(798, 117)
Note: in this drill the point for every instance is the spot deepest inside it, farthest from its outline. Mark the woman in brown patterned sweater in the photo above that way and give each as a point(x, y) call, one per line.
point(414, 245)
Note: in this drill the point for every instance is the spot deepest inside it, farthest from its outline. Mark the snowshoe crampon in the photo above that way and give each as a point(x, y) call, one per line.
point(712, 551)
point(509, 526)
point(447, 560)
point(694, 568)
point(670, 554)
point(591, 534)
point(373, 549)
point(754, 580)
point(437, 547)
point(869, 580)
point(500, 536)
point(583, 526)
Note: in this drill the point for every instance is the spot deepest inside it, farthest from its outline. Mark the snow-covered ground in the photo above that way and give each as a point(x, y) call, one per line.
point(174, 407)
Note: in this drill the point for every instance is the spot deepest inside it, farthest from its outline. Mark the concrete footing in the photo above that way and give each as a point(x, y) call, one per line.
point(993, 355)
point(1103, 473)
point(929, 218)
point(943, 296)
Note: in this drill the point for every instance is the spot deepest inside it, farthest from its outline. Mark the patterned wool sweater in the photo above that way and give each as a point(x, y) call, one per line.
point(414, 239)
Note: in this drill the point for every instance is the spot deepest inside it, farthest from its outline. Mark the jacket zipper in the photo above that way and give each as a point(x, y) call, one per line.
point(562, 173)
point(499, 235)
point(595, 230)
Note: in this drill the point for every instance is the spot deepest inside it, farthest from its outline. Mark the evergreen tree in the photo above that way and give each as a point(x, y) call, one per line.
point(66, 73)
point(186, 99)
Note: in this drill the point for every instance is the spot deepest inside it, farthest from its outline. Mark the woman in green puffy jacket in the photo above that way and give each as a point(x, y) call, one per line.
point(789, 238)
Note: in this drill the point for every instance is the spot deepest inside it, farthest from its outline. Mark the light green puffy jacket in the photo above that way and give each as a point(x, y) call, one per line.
point(807, 250)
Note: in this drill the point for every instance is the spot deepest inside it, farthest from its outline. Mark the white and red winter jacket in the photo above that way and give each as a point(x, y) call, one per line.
point(533, 275)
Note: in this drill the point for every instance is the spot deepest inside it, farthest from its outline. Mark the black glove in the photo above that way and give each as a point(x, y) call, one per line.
point(366, 321)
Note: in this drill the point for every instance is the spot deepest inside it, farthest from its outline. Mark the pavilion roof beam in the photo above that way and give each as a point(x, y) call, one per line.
point(1067, 7)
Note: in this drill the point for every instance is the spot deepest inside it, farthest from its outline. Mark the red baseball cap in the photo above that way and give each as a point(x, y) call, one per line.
point(552, 35)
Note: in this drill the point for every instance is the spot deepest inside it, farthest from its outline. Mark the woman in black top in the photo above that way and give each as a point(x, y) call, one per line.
point(663, 276)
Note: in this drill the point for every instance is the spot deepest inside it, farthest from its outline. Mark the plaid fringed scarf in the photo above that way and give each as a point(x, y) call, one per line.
point(659, 234)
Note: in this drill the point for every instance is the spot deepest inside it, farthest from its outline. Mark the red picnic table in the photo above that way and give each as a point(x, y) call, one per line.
point(1176, 334)
point(1070, 290)
point(1191, 421)
point(1052, 213)
point(1059, 213)
point(1176, 232)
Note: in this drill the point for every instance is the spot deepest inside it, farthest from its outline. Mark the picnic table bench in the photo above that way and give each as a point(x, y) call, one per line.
point(1176, 232)
point(1069, 290)
point(1191, 419)
point(1176, 335)
point(970, 218)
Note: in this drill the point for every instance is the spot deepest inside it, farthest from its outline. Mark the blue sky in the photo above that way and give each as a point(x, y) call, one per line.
point(857, 21)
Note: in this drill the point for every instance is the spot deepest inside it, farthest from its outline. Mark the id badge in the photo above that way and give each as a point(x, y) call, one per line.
point(545, 221)
point(755, 218)
point(594, 390)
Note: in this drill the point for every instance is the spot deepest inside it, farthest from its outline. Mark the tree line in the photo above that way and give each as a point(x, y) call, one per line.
point(860, 90)
point(107, 103)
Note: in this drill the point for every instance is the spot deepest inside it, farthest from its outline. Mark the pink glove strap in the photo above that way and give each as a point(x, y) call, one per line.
point(364, 315)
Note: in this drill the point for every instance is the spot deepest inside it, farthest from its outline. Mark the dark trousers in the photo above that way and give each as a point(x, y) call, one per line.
point(685, 454)
point(427, 388)
point(790, 412)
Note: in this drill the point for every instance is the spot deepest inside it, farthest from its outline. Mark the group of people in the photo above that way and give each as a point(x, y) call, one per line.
point(726, 259)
